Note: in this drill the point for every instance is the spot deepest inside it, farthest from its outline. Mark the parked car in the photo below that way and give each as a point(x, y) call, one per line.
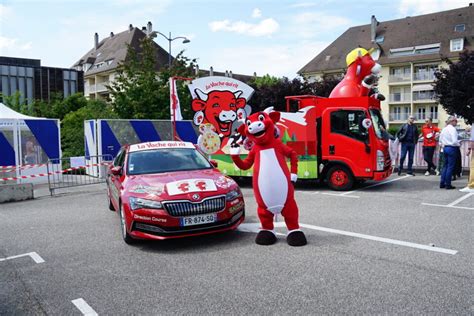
point(170, 189)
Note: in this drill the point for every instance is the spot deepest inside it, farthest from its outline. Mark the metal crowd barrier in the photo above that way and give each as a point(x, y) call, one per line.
point(62, 175)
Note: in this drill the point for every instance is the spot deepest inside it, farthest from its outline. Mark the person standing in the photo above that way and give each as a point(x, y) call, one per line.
point(470, 151)
point(429, 132)
point(408, 136)
point(449, 140)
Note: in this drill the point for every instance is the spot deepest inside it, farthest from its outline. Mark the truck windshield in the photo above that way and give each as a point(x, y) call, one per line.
point(379, 124)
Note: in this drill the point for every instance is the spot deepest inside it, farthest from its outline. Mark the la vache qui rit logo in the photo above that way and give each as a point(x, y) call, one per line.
point(218, 103)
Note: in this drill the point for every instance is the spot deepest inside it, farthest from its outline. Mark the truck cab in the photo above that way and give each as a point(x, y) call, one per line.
point(350, 139)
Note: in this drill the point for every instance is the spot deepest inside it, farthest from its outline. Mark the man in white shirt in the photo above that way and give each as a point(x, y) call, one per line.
point(470, 151)
point(449, 140)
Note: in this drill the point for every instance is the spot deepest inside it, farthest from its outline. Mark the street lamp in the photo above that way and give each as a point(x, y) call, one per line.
point(169, 39)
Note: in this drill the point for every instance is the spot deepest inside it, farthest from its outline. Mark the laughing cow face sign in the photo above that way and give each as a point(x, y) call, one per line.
point(219, 108)
point(220, 101)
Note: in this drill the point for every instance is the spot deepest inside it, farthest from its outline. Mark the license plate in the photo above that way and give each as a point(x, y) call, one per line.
point(198, 219)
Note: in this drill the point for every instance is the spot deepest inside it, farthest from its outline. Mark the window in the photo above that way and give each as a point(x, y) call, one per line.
point(416, 50)
point(119, 159)
point(379, 39)
point(434, 112)
point(166, 160)
point(421, 113)
point(459, 28)
point(457, 44)
point(349, 123)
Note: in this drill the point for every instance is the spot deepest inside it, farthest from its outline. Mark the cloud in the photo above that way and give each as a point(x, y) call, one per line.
point(417, 7)
point(311, 24)
point(265, 27)
point(12, 45)
point(303, 5)
point(256, 13)
point(276, 60)
point(5, 12)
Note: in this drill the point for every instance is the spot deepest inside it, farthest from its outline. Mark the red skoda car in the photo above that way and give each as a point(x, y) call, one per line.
point(169, 189)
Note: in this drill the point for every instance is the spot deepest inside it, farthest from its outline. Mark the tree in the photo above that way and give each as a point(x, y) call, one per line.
point(271, 91)
point(454, 87)
point(72, 126)
point(139, 91)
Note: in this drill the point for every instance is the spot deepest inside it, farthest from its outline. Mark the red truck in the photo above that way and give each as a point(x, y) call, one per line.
point(338, 140)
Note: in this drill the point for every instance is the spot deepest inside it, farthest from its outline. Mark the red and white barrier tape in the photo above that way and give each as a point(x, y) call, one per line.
point(13, 167)
point(54, 172)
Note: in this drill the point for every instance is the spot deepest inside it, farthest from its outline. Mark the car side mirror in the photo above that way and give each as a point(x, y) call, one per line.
point(116, 171)
point(214, 163)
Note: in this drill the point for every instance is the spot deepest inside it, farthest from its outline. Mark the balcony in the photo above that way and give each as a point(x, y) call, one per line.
point(100, 87)
point(395, 116)
point(399, 98)
point(398, 78)
point(424, 76)
point(424, 96)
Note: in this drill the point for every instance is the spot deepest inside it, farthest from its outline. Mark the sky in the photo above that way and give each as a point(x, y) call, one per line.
point(276, 37)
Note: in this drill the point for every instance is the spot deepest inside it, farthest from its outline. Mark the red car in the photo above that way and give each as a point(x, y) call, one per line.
point(168, 190)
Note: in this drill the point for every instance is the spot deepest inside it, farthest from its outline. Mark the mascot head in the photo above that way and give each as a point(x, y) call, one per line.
point(260, 127)
point(364, 62)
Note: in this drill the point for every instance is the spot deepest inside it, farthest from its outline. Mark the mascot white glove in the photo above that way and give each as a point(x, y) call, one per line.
point(234, 151)
point(294, 177)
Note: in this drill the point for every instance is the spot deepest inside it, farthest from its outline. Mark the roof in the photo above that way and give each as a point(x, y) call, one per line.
point(410, 31)
point(113, 49)
point(7, 113)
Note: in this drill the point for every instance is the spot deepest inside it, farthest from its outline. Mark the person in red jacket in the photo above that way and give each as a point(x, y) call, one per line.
point(272, 181)
point(430, 134)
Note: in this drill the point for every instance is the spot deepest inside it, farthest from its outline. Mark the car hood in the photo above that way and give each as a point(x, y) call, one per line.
point(190, 185)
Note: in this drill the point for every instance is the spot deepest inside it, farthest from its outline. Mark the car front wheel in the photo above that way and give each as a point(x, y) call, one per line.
point(123, 227)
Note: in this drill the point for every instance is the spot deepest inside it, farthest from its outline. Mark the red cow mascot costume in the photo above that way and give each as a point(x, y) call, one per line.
point(271, 181)
point(361, 76)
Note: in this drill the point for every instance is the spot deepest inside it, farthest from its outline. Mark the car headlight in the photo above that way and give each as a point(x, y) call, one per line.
point(136, 203)
point(232, 195)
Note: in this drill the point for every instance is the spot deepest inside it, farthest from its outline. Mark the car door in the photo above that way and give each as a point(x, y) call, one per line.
point(347, 140)
point(115, 181)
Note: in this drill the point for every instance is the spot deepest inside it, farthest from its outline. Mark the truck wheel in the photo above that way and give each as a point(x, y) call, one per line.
point(339, 178)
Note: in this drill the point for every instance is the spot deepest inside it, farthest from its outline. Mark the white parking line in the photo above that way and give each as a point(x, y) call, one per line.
point(453, 204)
point(346, 194)
point(382, 239)
point(84, 307)
point(461, 199)
point(254, 227)
point(36, 257)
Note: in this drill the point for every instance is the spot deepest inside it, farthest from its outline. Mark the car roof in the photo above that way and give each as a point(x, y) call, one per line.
point(160, 145)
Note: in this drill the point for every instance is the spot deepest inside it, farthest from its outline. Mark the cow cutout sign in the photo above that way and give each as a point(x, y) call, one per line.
point(220, 102)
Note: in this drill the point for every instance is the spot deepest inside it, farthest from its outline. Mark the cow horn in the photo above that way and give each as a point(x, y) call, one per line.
point(268, 110)
point(237, 93)
point(201, 95)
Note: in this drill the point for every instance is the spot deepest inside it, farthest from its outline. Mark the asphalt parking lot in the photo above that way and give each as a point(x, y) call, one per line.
point(399, 247)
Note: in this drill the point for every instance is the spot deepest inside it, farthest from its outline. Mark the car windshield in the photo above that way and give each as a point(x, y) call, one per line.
point(166, 160)
point(379, 124)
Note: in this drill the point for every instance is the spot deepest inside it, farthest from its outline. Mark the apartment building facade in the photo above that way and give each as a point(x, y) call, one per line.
point(100, 64)
point(410, 50)
point(36, 82)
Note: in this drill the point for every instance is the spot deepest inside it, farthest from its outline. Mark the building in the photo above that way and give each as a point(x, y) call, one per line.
point(100, 64)
point(36, 82)
point(410, 50)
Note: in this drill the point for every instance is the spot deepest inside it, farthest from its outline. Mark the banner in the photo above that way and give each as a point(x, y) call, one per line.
point(175, 108)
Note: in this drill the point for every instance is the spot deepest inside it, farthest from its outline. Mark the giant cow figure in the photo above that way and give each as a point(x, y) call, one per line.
point(361, 76)
point(219, 108)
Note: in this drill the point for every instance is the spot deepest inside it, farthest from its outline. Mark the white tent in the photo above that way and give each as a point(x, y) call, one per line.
point(27, 144)
point(7, 113)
